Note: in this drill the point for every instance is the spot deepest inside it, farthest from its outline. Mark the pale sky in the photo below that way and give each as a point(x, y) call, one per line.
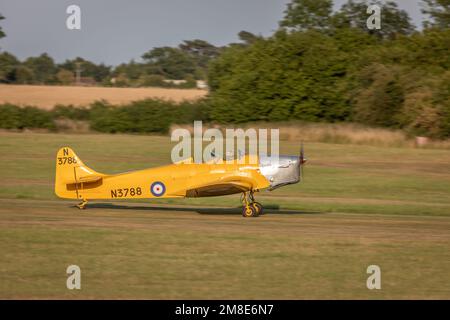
point(114, 31)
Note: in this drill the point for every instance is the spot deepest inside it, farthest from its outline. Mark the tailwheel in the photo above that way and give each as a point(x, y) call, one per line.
point(82, 205)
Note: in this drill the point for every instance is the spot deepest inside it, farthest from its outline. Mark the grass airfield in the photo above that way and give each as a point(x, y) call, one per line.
point(358, 206)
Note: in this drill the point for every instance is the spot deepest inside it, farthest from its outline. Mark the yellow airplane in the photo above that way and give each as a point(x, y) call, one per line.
point(75, 180)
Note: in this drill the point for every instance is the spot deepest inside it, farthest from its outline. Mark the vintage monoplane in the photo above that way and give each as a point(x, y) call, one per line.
point(74, 180)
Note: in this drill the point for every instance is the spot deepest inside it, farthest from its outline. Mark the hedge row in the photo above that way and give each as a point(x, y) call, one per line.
point(145, 116)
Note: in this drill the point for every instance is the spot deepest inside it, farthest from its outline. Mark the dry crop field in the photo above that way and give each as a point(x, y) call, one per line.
point(49, 96)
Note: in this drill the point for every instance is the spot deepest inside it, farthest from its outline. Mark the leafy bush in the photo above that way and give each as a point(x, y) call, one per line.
point(32, 117)
point(145, 116)
point(70, 112)
point(14, 117)
point(10, 116)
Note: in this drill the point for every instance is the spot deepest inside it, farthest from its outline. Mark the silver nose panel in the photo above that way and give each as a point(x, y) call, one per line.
point(280, 172)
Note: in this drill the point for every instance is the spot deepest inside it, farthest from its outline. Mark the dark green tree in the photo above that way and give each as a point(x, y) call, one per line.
point(172, 63)
point(380, 97)
point(8, 65)
point(2, 34)
point(296, 75)
point(98, 72)
point(248, 37)
point(438, 11)
point(308, 14)
point(394, 21)
point(23, 75)
point(131, 70)
point(43, 67)
point(428, 51)
point(202, 51)
point(352, 14)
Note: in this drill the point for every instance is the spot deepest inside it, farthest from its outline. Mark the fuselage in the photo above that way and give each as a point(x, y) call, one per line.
point(188, 179)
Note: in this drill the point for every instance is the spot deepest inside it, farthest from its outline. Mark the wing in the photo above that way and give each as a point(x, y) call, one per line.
point(223, 186)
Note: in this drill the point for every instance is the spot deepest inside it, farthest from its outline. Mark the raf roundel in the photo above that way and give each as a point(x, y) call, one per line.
point(157, 189)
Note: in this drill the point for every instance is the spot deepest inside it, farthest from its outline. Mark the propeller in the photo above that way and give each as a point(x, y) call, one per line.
point(302, 160)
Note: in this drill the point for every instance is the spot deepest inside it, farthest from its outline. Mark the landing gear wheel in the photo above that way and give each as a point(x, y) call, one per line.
point(249, 211)
point(258, 207)
point(250, 208)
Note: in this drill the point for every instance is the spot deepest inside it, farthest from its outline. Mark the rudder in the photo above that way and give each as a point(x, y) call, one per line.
point(71, 173)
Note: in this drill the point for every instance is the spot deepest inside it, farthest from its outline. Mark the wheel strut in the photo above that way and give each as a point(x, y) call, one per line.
point(251, 208)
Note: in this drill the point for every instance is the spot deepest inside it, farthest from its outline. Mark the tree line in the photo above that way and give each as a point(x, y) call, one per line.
point(319, 66)
point(328, 66)
point(186, 62)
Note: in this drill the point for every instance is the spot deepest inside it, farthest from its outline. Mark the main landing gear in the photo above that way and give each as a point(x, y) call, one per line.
point(82, 205)
point(250, 208)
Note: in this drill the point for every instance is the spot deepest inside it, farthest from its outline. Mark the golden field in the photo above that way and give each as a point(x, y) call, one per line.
point(49, 96)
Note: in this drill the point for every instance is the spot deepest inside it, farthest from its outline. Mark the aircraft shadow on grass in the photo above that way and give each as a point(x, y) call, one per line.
point(269, 209)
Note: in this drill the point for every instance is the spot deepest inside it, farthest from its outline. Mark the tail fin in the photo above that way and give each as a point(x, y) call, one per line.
point(72, 173)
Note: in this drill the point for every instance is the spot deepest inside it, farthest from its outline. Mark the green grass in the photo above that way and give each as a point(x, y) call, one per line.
point(358, 206)
point(187, 253)
point(338, 178)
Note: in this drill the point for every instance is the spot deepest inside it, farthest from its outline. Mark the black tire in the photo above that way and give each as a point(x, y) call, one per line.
point(249, 211)
point(258, 207)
